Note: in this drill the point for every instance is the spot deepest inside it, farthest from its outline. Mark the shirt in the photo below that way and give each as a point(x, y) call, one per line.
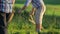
point(35, 3)
point(6, 6)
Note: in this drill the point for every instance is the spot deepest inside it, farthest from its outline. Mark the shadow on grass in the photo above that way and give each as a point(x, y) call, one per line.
point(49, 32)
point(51, 21)
point(17, 33)
point(20, 1)
point(53, 2)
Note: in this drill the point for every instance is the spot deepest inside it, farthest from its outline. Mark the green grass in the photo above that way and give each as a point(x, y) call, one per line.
point(51, 21)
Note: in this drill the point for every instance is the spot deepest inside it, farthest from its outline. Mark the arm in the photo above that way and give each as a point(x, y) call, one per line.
point(26, 5)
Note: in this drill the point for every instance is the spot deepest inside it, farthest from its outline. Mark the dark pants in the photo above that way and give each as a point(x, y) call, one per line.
point(3, 28)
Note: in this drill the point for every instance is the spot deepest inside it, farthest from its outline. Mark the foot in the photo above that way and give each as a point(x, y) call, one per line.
point(41, 28)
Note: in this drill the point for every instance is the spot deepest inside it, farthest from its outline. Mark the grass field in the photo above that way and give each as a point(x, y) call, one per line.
point(51, 21)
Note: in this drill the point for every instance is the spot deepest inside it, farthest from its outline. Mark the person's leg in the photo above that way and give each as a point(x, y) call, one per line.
point(9, 16)
point(32, 15)
point(38, 17)
point(5, 24)
point(37, 21)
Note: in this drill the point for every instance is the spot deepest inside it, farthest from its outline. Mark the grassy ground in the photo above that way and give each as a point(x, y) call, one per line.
point(51, 21)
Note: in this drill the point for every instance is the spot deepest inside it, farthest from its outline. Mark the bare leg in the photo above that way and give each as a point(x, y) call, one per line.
point(10, 16)
point(31, 15)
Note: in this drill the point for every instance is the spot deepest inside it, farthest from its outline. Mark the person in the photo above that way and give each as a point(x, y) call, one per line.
point(38, 8)
point(6, 14)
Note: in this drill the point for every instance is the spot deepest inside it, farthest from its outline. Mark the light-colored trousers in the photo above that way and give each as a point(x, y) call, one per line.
point(39, 14)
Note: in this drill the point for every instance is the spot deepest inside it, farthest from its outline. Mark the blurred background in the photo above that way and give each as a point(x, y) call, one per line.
point(51, 21)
